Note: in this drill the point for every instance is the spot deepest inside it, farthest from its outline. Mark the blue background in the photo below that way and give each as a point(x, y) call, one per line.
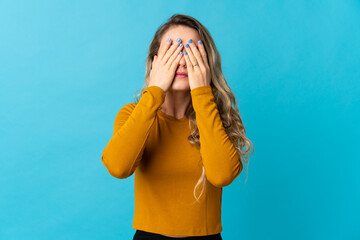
point(67, 67)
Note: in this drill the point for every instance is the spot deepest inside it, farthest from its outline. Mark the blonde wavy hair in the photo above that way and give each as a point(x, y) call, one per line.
point(224, 97)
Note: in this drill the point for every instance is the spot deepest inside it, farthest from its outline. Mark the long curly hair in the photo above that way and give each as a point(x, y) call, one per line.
point(224, 97)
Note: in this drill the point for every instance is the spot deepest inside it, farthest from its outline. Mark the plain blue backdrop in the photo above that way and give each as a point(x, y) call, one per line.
point(67, 67)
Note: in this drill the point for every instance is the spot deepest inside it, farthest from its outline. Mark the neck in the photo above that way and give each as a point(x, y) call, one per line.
point(176, 102)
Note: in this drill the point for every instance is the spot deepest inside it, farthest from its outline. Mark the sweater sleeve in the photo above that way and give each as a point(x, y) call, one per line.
point(221, 161)
point(132, 125)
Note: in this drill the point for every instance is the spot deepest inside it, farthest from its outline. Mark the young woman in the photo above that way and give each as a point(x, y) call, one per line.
point(182, 134)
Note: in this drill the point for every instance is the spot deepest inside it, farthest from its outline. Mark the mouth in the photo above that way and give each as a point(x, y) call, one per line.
point(181, 74)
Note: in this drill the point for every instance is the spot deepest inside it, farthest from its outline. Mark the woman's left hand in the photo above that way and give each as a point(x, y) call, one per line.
point(198, 75)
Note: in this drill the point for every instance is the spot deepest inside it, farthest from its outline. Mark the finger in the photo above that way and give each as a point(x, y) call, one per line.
point(176, 62)
point(203, 53)
point(189, 65)
point(164, 45)
point(174, 55)
point(171, 50)
point(197, 54)
point(190, 55)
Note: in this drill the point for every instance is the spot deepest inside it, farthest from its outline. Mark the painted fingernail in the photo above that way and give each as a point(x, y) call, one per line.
point(200, 42)
point(169, 39)
point(190, 41)
point(180, 53)
point(180, 45)
point(178, 40)
point(187, 45)
point(185, 53)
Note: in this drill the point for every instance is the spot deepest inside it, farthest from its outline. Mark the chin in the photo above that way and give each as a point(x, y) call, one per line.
point(180, 85)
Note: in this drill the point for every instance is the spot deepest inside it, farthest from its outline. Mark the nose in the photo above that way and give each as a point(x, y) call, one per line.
point(182, 60)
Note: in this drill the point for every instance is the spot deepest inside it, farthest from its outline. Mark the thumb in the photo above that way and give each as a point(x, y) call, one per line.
point(154, 59)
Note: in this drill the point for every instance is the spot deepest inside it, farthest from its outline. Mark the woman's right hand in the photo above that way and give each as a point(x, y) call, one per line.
point(164, 65)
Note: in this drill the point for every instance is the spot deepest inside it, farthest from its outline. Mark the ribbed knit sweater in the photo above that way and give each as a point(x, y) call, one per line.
point(154, 145)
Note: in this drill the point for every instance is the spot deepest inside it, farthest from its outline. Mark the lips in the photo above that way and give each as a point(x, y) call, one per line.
point(181, 74)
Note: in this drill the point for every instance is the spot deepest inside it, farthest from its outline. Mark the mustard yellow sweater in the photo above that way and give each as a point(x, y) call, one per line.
point(167, 167)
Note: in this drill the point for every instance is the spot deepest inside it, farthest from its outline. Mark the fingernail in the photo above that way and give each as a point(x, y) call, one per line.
point(200, 42)
point(180, 45)
point(178, 40)
point(185, 53)
point(169, 39)
point(180, 53)
point(190, 41)
point(187, 45)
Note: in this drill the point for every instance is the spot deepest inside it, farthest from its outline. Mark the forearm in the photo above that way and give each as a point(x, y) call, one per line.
point(124, 151)
point(220, 158)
